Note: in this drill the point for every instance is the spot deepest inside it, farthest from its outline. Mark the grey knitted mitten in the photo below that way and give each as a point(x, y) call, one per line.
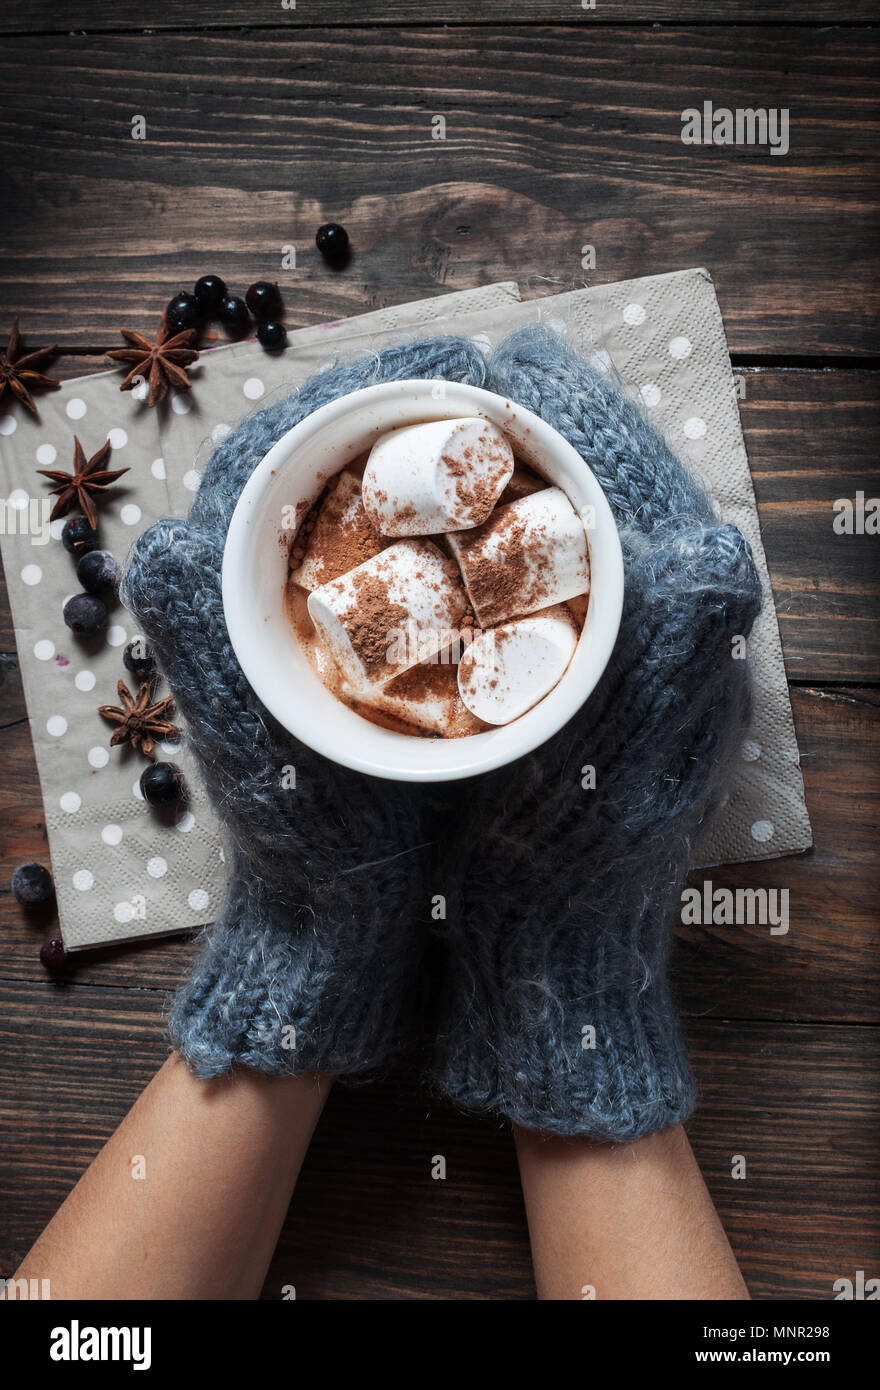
point(555, 1010)
point(312, 964)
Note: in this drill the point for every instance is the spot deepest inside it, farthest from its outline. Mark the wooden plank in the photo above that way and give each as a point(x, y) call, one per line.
point(42, 16)
point(368, 1222)
point(568, 136)
point(812, 440)
point(822, 969)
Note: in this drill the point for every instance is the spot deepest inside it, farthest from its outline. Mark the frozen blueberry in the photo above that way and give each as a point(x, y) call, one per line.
point(183, 312)
point(264, 300)
point(272, 335)
point(138, 659)
point(85, 614)
point(53, 954)
point(332, 242)
point(233, 313)
point(98, 570)
point(209, 291)
point(162, 784)
point(32, 885)
point(78, 535)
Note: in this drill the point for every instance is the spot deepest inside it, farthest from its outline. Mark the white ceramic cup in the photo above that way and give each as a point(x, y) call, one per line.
point(255, 565)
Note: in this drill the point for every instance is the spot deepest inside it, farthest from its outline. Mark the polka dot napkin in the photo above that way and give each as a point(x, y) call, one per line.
point(124, 870)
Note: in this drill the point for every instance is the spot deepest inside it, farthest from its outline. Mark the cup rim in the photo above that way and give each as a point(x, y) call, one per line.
point(442, 759)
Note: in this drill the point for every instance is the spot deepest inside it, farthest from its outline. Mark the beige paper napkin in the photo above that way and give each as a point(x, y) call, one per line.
point(121, 871)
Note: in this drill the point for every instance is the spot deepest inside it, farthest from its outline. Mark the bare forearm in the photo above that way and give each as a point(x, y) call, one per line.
point(187, 1198)
point(623, 1221)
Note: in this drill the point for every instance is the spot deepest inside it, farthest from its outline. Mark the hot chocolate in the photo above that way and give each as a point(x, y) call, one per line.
point(438, 585)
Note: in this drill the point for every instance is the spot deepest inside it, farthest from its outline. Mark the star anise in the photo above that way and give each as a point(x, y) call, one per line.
point(19, 373)
point(89, 477)
point(139, 721)
point(161, 363)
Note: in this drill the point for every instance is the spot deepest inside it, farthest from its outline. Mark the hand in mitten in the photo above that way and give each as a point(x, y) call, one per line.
point(313, 962)
point(555, 1010)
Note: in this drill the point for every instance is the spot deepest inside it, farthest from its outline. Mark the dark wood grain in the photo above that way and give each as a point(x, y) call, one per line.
point(812, 439)
point(368, 1221)
point(568, 136)
point(44, 16)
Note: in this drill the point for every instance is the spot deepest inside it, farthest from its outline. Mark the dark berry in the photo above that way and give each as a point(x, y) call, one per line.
point(98, 570)
point(85, 614)
point(32, 885)
point(233, 313)
point(272, 335)
point(138, 659)
point(264, 300)
point(78, 536)
point(53, 954)
point(332, 242)
point(183, 311)
point(208, 292)
point(162, 784)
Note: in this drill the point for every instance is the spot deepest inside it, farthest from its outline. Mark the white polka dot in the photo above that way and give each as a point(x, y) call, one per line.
point(46, 455)
point(130, 514)
point(634, 314)
point(762, 830)
point(170, 748)
point(157, 468)
point(694, 428)
point(44, 650)
point(98, 757)
point(181, 405)
point(123, 912)
point(198, 900)
point(482, 341)
point(18, 499)
point(191, 480)
point(31, 574)
point(650, 394)
point(70, 802)
point(84, 680)
point(75, 408)
point(221, 432)
point(141, 391)
point(56, 527)
point(8, 424)
point(136, 789)
point(116, 635)
point(750, 750)
point(186, 822)
point(56, 725)
point(117, 438)
point(157, 867)
point(83, 880)
point(111, 834)
point(680, 347)
point(253, 388)
point(65, 601)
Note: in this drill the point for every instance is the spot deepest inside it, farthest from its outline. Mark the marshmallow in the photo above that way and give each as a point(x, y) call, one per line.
point(442, 476)
point(528, 555)
point(342, 537)
point(426, 698)
point(508, 669)
point(390, 613)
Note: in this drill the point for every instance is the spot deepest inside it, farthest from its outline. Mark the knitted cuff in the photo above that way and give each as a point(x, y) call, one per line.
point(566, 1057)
point(272, 991)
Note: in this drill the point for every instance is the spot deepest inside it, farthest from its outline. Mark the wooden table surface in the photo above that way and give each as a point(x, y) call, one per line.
point(562, 128)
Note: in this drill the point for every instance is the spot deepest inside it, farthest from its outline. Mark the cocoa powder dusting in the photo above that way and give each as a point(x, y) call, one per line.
point(372, 620)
